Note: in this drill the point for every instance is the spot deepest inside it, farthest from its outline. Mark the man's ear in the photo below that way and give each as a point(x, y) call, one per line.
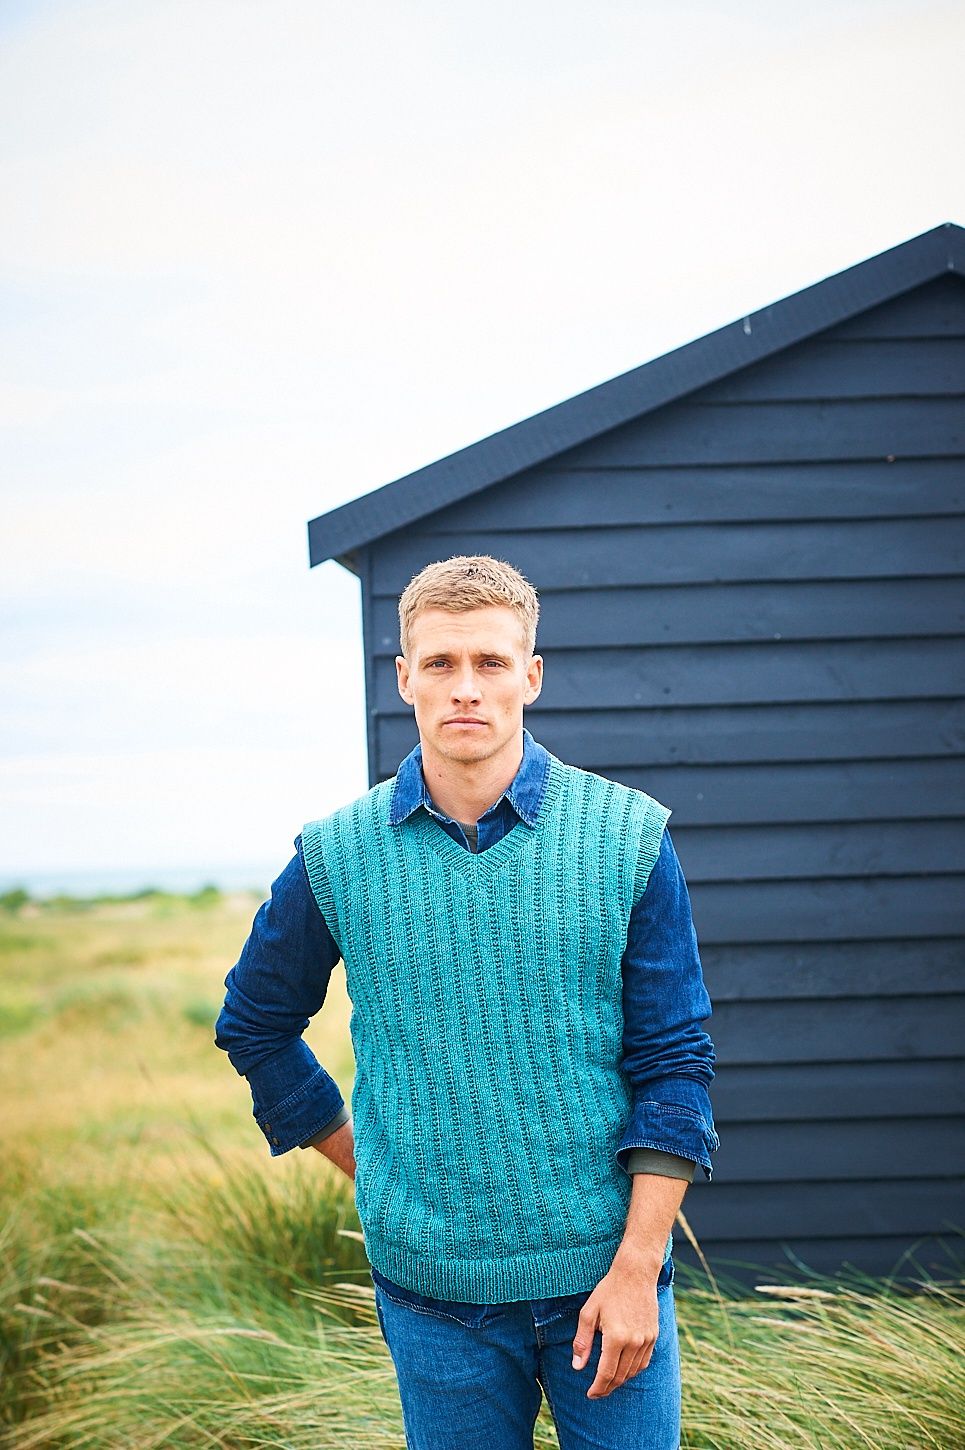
point(534, 679)
point(402, 675)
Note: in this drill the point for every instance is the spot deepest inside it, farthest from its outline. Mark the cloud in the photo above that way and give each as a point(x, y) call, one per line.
point(258, 260)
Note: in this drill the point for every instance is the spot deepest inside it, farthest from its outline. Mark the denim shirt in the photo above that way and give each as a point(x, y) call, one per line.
point(281, 980)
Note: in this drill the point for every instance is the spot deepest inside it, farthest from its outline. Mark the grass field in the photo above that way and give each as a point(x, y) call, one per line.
point(163, 1282)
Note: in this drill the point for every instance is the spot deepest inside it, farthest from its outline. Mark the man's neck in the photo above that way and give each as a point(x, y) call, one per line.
point(464, 790)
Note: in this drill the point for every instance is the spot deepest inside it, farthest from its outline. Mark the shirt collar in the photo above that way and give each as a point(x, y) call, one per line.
point(524, 793)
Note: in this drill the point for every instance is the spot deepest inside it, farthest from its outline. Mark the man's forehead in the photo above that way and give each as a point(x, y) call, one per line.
point(494, 628)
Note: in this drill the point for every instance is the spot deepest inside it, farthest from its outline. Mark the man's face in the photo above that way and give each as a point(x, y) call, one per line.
point(468, 675)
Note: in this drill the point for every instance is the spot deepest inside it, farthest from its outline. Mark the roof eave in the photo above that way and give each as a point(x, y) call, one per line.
point(632, 394)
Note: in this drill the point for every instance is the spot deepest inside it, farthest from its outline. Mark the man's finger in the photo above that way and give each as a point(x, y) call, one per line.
point(631, 1362)
point(607, 1369)
point(640, 1360)
point(583, 1339)
point(646, 1354)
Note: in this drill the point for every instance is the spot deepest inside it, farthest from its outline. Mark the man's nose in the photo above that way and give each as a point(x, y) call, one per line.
point(465, 685)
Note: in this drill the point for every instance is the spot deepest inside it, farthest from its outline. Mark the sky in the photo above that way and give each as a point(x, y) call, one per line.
point(260, 257)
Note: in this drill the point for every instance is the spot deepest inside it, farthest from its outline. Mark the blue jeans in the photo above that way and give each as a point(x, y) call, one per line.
point(472, 1376)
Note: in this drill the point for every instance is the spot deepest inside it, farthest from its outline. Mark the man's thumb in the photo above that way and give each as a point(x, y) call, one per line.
point(583, 1341)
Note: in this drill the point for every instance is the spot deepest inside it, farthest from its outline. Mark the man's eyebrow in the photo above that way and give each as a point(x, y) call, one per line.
point(479, 654)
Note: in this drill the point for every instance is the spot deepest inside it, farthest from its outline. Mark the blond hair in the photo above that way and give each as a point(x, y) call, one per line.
point(469, 581)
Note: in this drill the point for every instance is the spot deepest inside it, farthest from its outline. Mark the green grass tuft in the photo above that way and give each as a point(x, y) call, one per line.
point(163, 1281)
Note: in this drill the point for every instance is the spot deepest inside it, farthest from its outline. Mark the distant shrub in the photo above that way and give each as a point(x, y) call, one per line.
point(17, 1015)
point(65, 903)
point(208, 895)
point(14, 899)
point(200, 1014)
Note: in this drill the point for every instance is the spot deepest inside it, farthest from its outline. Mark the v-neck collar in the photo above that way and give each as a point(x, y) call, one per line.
point(524, 793)
point(481, 865)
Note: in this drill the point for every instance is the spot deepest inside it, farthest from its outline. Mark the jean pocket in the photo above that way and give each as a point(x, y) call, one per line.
point(665, 1277)
point(471, 1315)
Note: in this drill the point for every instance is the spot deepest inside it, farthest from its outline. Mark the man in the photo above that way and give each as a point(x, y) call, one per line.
point(530, 1096)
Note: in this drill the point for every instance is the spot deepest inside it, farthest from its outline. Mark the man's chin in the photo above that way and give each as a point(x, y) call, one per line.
point(469, 745)
point(469, 750)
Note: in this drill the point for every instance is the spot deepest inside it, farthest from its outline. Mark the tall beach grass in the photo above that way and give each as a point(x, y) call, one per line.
point(237, 1311)
point(164, 1283)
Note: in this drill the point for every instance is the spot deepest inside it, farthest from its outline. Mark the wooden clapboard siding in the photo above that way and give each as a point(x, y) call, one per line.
point(705, 614)
point(702, 553)
point(699, 433)
point(851, 790)
point(935, 309)
point(562, 496)
point(841, 1151)
point(715, 674)
point(825, 1091)
point(893, 1203)
point(831, 367)
point(902, 1256)
point(752, 608)
point(724, 735)
point(829, 851)
point(853, 1029)
point(850, 909)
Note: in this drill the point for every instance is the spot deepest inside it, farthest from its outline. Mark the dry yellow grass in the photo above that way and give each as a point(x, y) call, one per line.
point(163, 1280)
point(107, 1020)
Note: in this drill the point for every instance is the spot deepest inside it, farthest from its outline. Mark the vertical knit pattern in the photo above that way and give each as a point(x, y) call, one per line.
point(487, 1024)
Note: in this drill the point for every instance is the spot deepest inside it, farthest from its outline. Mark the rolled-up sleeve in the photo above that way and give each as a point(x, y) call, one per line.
point(667, 1055)
point(277, 985)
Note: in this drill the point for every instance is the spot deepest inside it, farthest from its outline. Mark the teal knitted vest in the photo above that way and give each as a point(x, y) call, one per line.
point(487, 1025)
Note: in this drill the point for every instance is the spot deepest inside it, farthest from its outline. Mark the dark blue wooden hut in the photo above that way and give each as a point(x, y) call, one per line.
point(748, 554)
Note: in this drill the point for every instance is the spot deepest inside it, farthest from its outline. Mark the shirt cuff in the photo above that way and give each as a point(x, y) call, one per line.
point(666, 1165)
point(342, 1116)
point(670, 1127)
point(301, 1114)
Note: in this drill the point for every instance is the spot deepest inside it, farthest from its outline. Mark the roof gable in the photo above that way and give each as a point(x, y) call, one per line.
point(632, 394)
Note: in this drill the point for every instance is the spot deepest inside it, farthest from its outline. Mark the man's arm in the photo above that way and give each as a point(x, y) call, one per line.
point(338, 1146)
point(669, 1061)
point(668, 1057)
point(654, 1202)
point(278, 984)
point(624, 1304)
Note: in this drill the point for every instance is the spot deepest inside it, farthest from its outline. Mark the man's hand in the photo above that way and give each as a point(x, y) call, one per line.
point(624, 1306)
point(339, 1147)
point(624, 1303)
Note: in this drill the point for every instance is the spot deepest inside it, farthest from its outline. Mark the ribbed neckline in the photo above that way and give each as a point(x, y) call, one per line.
point(476, 864)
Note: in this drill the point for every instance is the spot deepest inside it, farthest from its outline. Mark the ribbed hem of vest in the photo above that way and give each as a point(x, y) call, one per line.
point(544, 1275)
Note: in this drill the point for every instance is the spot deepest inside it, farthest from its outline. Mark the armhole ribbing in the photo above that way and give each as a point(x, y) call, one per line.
point(655, 818)
point(317, 874)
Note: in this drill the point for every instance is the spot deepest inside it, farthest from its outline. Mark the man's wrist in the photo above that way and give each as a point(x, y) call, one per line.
point(642, 1261)
point(332, 1126)
point(653, 1209)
